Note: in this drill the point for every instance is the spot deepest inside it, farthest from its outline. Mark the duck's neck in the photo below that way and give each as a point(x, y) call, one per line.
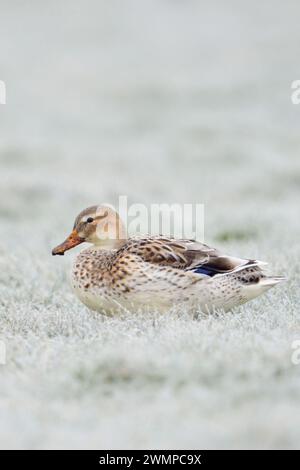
point(110, 244)
point(111, 235)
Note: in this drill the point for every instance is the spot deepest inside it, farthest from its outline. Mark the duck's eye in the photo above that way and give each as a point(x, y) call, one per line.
point(89, 220)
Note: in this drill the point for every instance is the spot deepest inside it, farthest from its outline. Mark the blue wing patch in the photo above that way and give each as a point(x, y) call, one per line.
point(205, 270)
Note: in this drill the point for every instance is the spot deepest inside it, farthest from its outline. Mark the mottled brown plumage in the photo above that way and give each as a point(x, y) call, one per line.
point(155, 271)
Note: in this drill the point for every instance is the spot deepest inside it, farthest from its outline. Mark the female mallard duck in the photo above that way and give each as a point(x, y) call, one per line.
point(157, 271)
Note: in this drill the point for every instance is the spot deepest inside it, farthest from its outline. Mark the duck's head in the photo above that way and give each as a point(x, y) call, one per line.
point(99, 225)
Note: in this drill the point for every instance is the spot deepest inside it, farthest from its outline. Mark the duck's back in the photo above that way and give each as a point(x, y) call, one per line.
point(160, 272)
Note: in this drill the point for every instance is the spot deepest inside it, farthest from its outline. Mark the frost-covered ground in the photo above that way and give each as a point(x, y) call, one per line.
point(164, 101)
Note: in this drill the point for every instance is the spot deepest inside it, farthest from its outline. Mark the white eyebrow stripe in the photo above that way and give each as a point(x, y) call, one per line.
point(84, 219)
point(95, 217)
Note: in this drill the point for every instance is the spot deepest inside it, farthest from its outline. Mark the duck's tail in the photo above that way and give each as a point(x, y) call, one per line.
point(257, 281)
point(270, 281)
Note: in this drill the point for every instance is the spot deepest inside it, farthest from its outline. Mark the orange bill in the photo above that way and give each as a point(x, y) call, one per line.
point(70, 242)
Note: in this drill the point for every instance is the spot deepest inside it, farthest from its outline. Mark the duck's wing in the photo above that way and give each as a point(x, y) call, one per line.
point(186, 255)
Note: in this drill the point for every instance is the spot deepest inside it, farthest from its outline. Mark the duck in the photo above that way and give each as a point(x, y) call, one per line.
point(116, 272)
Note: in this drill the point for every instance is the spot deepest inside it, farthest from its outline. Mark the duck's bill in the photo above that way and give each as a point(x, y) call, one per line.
point(72, 241)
